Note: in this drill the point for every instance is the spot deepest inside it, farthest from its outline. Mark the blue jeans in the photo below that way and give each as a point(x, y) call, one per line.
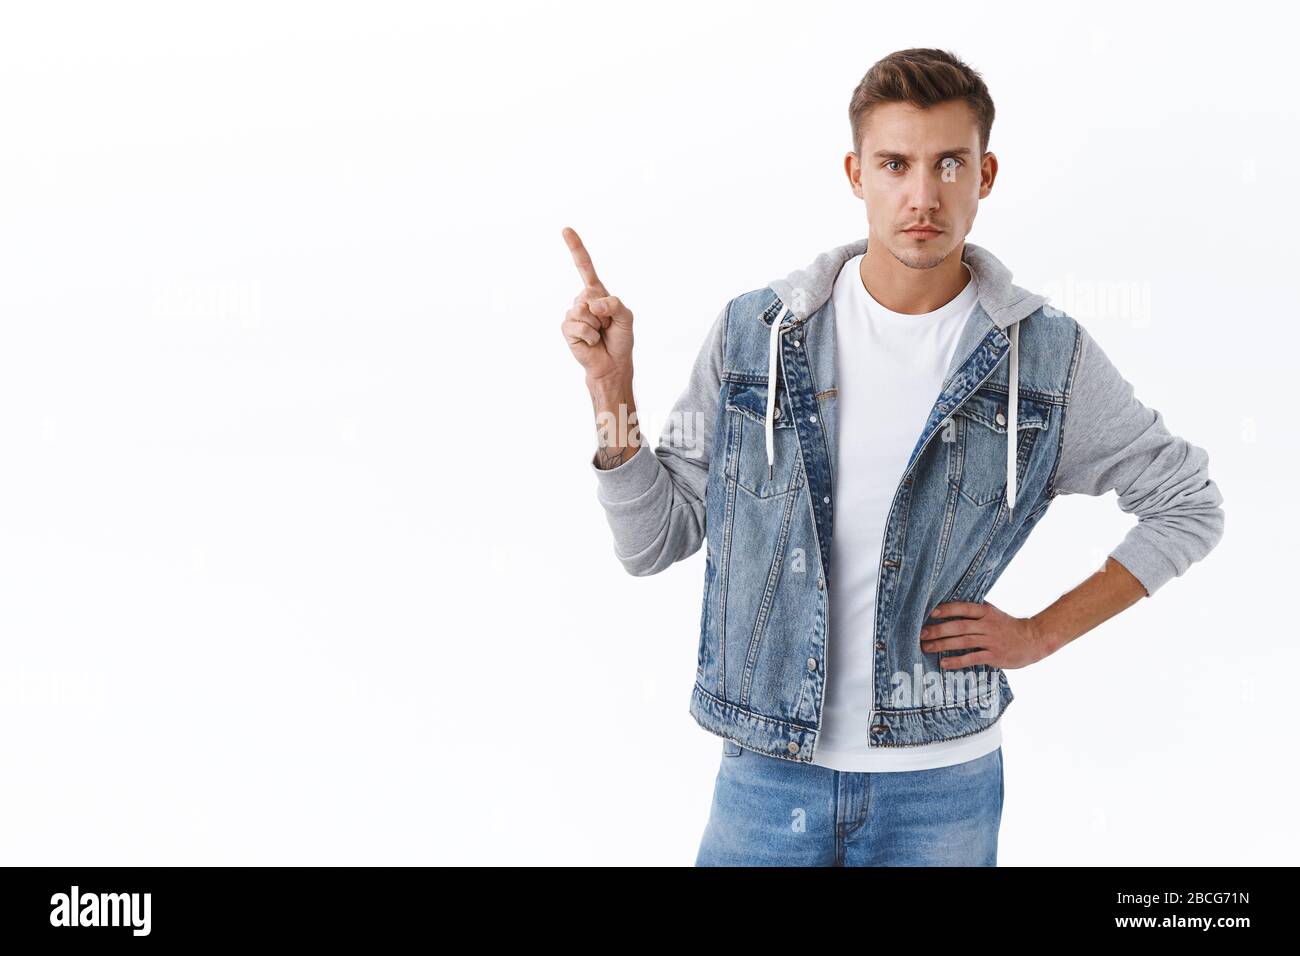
point(768, 811)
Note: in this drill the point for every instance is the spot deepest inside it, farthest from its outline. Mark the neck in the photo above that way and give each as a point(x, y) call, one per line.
point(912, 289)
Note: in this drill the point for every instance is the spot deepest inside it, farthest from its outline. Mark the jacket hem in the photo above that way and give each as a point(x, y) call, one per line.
point(908, 727)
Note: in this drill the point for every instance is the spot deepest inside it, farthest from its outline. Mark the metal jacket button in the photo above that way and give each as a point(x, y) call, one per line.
point(812, 663)
point(1000, 418)
point(793, 746)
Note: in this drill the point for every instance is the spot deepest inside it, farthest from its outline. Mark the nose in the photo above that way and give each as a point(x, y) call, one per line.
point(925, 194)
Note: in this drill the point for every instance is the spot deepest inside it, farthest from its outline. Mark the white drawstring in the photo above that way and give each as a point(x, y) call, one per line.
point(1013, 393)
point(773, 347)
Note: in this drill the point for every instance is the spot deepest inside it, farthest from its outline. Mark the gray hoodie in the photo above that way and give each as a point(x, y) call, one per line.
point(1110, 441)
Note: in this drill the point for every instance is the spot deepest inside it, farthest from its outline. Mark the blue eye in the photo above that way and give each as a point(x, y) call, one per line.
point(948, 162)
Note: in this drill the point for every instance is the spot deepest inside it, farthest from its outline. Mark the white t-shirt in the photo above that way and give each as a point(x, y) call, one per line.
point(889, 372)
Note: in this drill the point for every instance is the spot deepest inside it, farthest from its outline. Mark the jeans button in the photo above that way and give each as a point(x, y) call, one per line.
point(812, 663)
point(793, 746)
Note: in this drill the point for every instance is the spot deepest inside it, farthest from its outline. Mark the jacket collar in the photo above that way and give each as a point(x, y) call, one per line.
point(804, 291)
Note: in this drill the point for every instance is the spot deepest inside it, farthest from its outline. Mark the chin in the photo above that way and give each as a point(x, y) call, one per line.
point(924, 256)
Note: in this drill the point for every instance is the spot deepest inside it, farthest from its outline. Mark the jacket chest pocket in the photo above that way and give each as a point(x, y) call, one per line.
point(746, 405)
point(977, 449)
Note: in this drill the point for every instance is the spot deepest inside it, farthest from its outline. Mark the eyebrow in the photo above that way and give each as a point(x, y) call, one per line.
point(887, 154)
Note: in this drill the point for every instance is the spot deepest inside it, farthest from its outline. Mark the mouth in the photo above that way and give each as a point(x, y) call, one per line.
point(922, 233)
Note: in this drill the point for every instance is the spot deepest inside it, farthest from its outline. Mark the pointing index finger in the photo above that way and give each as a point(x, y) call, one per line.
point(582, 260)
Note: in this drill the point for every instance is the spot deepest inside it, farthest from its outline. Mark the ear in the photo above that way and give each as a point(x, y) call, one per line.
point(988, 173)
point(853, 169)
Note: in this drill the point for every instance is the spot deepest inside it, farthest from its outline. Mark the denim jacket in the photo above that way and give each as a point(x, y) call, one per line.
point(1031, 408)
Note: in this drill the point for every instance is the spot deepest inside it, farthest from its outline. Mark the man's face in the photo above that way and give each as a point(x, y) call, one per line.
point(920, 168)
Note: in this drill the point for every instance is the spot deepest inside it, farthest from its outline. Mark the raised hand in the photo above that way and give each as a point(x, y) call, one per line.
point(598, 327)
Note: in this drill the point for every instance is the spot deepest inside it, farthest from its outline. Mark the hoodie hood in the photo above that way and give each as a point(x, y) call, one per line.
point(803, 291)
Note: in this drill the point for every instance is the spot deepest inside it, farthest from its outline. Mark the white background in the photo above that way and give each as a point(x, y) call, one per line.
point(300, 557)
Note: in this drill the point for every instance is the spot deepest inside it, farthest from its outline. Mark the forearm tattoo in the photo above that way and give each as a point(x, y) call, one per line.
point(611, 458)
point(613, 449)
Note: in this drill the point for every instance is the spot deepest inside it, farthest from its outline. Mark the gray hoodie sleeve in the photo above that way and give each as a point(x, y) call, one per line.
point(654, 501)
point(1112, 442)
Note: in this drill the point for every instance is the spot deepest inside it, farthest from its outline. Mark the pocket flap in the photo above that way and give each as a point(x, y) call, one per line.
point(989, 408)
point(750, 399)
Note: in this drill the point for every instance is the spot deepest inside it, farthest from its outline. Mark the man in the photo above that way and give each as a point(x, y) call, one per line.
point(864, 446)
